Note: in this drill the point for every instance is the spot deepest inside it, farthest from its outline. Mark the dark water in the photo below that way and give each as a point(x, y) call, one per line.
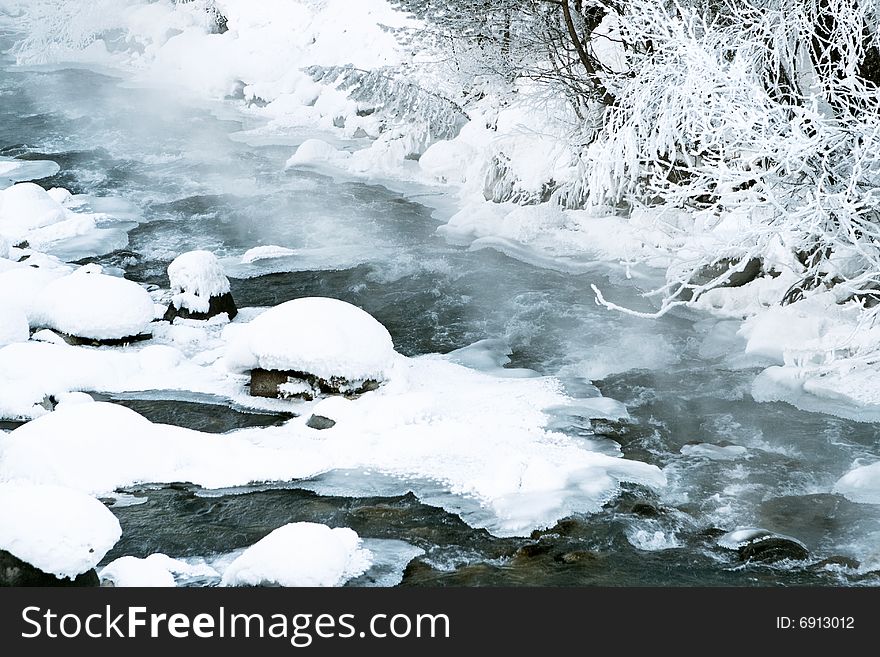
point(194, 187)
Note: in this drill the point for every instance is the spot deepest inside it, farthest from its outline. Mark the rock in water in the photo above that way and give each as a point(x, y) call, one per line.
point(15, 572)
point(200, 287)
point(754, 544)
point(310, 347)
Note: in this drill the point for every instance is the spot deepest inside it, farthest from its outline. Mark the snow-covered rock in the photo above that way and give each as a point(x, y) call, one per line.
point(199, 286)
point(89, 304)
point(60, 531)
point(316, 151)
point(156, 570)
point(25, 207)
point(300, 554)
point(13, 326)
point(325, 338)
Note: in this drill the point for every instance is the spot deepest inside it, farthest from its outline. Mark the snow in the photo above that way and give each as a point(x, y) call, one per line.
point(89, 304)
point(25, 207)
point(60, 531)
point(321, 336)
point(300, 554)
point(195, 277)
point(861, 484)
point(5, 248)
point(156, 570)
point(13, 326)
point(316, 151)
point(479, 436)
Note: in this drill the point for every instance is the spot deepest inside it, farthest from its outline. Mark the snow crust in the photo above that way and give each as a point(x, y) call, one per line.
point(60, 531)
point(321, 336)
point(300, 554)
point(195, 277)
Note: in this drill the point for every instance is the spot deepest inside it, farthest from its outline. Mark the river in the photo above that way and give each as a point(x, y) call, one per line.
point(195, 182)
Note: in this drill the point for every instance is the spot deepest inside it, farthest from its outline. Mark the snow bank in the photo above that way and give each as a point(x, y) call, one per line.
point(300, 554)
point(89, 304)
point(13, 326)
point(324, 337)
point(195, 277)
point(60, 531)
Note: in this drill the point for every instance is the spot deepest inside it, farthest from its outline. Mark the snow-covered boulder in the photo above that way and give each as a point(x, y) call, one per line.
point(25, 207)
point(59, 532)
point(312, 346)
point(156, 570)
point(94, 307)
point(200, 287)
point(13, 326)
point(300, 554)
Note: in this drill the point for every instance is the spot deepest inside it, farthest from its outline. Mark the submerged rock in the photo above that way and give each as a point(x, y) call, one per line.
point(755, 544)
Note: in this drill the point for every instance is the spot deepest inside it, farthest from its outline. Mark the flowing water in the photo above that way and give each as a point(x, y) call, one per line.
point(195, 182)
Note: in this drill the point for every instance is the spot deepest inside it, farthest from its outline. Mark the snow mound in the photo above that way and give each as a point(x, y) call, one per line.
point(195, 277)
point(861, 484)
point(316, 151)
point(89, 304)
point(60, 531)
point(25, 207)
point(156, 570)
point(323, 337)
point(300, 554)
point(13, 326)
point(21, 286)
point(5, 248)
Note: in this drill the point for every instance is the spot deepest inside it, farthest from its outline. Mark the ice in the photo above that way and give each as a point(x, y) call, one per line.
point(266, 253)
point(300, 554)
point(60, 531)
point(861, 484)
point(715, 452)
point(89, 304)
point(195, 277)
point(324, 337)
point(13, 170)
point(156, 570)
point(13, 326)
